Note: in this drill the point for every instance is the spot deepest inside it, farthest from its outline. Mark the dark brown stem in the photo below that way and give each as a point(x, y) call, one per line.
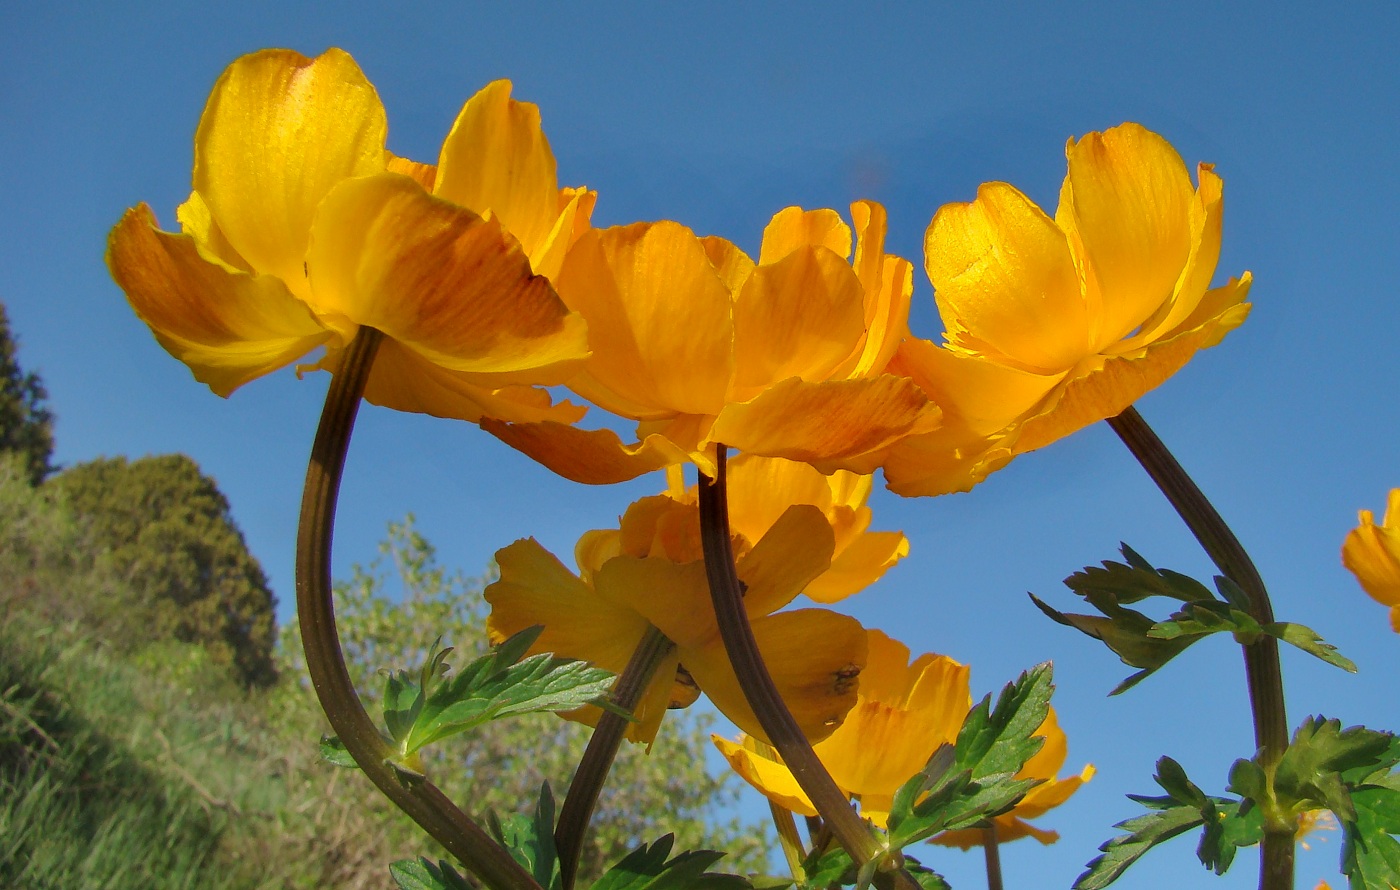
point(421, 800)
point(852, 832)
point(992, 849)
point(1261, 662)
point(598, 757)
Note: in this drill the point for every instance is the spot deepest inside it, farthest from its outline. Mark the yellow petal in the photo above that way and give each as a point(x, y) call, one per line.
point(825, 423)
point(496, 161)
point(535, 588)
point(1372, 554)
point(1002, 274)
point(659, 320)
point(800, 316)
point(769, 775)
point(888, 282)
point(1009, 828)
point(423, 174)
point(1132, 209)
point(1107, 386)
point(198, 222)
point(814, 657)
point(594, 548)
point(403, 380)
point(794, 551)
point(674, 597)
point(859, 565)
point(942, 462)
point(977, 393)
point(761, 488)
point(731, 264)
point(793, 228)
point(1051, 793)
point(227, 326)
point(574, 218)
point(278, 133)
point(1051, 756)
point(593, 457)
point(441, 280)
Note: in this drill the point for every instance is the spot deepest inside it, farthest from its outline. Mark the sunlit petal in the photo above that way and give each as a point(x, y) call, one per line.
point(228, 326)
point(793, 228)
point(278, 133)
point(593, 457)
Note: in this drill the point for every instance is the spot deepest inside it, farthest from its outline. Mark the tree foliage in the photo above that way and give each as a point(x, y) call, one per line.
point(165, 529)
point(499, 766)
point(26, 426)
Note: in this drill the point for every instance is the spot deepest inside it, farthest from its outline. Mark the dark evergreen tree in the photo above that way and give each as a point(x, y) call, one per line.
point(26, 426)
point(166, 529)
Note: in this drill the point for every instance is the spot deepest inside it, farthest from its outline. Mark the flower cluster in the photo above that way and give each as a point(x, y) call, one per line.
point(488, 282)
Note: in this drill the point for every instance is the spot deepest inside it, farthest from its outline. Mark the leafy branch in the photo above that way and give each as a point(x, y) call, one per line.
point(1143, 642)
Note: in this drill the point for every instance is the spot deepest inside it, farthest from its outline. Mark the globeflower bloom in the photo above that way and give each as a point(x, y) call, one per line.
point(650, 572)
point(302, 228)
point(1372, 553)
point(1054, 323)
point(701, 345)
point(904, 712)
point(760, 489)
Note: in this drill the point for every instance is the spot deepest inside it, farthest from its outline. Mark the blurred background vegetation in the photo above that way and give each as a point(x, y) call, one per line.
point(156, 727)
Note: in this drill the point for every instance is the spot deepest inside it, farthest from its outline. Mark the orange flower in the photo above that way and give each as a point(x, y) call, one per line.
point(302, 228)
point(1372, 553)
point(650, 572)
point(701, 345)
point(1053, 324)
point(904, 712)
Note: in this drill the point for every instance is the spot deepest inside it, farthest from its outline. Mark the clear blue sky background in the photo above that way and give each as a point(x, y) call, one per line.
point(718, 115)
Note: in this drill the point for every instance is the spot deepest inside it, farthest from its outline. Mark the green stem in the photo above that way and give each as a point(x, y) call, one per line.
point(1261, 662)
point(783, 732)
point(992, 849)
point(421, 800)
point(598, 757)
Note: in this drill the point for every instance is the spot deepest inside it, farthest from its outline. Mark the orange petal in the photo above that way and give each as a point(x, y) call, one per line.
point(423, 174)
point(825, 423)
point(793, 228)
point(814, 657)
point(674, 597)
point(859, 565)
point(1009, 828)
point(496, 161)
point(784, 561)
point(593, 457)
point(1132, 208)
point(800, 316)
point(535, 588)
point(975, 392)
point(1372, 553)
point(731, 264)
point(942, 462)
point(574, 219)
point(659, 320)
point(888, 282)
point(441, 280)
point(1108, 386)
point(227, 326)
point(1051, 793)
point(1002, 272)
point(403, 380)
point(278, 133)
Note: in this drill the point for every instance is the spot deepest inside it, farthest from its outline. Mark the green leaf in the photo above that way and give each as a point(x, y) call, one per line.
point(421, 874)
point(403, 701)
point(1126, 632)
point(1306, 638)
point(1370, 852)
point(1135, 581)
point(964, 785)
point(648, 868)
point(530, 840)
point(926, 877)
point(830, 868)
point(1227, 824)
point(333, 751)
point(1310, 773)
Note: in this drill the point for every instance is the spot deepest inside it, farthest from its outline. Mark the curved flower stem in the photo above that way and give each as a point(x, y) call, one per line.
point(992, 849)
point(1262, 671)
point(852, 832)
point(598, 757)
point(421, 800)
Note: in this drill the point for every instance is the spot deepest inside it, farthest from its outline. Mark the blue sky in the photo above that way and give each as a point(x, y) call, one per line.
point(719, 115)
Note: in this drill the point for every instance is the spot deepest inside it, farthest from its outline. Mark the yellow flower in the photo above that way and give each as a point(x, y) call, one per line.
point(649, 572)
point(903, 713)
point(302, 227)
point(1053, 324)
point(701, 345)
point(760, 489)
point(1372, 553)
